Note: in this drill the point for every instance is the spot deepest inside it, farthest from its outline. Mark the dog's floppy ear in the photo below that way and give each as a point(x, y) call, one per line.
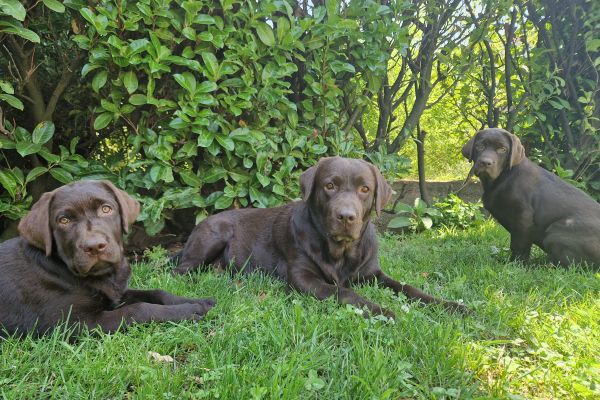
point(35, 226)
point(467, 150)
point(517, 151)
point(130, 207)
point(307, 180)
point(383, 192)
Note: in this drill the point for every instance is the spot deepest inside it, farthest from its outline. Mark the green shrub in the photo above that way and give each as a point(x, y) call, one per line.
point(204, 104)
point(453, 211)
point(418, 218)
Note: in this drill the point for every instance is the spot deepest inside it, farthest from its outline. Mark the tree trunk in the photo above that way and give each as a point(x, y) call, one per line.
point(421, 164)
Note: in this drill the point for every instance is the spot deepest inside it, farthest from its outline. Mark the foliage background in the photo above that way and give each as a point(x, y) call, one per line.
point(207, 105)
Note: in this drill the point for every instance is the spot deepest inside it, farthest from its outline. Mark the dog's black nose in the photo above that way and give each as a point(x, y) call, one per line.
point(95, 245)
point(485, 162)
point(346, 215)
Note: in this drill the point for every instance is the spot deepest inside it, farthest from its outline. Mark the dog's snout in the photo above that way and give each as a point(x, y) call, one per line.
point(485, 162)
point(95, 245)
point(346, 215)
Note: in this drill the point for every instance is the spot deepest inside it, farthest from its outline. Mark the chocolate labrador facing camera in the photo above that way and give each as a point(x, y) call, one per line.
point(68, 264)
point(533, 204)
point(320, 245)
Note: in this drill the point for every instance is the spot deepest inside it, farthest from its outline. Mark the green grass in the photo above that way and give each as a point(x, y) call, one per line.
point(534, 334)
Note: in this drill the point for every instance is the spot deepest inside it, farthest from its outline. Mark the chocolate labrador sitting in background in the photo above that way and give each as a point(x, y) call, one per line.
point(320, 245)
point(534, 205)
point(69, 263)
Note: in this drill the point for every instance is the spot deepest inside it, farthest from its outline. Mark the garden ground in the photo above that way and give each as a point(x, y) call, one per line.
point(534, 334)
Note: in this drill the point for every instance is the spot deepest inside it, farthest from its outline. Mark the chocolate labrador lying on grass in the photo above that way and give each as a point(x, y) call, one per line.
point(69, 263)
point(320, 245)
point(534, 205)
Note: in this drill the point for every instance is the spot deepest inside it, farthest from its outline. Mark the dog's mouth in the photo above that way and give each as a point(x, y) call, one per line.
point(343, 238)
point(484, 172)
point(92, 268)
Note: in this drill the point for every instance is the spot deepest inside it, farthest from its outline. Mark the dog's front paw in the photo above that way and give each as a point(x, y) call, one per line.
point(457, 308)
point(195, 311)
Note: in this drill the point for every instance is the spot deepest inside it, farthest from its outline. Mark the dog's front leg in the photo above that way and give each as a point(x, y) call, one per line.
point(109, 321)
point(132, 296)
point(412, 293)
point(306, 280)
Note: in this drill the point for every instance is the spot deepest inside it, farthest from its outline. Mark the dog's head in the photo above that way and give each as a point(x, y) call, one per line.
point(492, 151)
point(84, 223)
point(342, 193)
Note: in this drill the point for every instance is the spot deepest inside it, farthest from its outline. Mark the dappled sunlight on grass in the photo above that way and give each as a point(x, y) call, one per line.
point(534, 333)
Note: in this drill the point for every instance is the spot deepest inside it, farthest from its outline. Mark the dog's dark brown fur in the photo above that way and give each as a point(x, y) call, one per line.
point(320, 245)
point(534, 205)
point(69, 263)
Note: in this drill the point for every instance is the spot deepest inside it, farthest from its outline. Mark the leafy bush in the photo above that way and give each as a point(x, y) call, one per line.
point(453, 211)
point(198, 104)
point(417, 218)
point(203, 96)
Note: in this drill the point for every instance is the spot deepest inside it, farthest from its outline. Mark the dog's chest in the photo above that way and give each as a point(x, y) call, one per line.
point(341, 271)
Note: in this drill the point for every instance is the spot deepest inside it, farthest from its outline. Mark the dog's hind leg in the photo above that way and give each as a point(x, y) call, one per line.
point(205, 245)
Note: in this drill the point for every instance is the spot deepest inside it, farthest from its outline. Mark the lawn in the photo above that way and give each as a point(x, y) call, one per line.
point(534, 334)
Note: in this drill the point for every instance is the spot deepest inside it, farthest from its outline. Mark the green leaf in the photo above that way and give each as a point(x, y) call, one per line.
point(130, 81)
point(223, 202)
point(25, 148)
point(214, 174)
point(265, 34)
point(226, 142)
point(190, 178)
point(160, 172)
point(338, 66)
point(331, 6)
point(43, 132)
point(137, 46)
point(204, 19)
point(12, 100)
point(402, 208)
point(211, 64)
point(51, 158)
point(61, 175)
point(264, 181)
point(34, 173)
point(14, 8)
point(138, 99)
point(54, 5)
point(205, 138)
point(108, 106)
point(420, 206)
point(206, 87)
point(16, 28)
point(427, 222)
point(8, 182)
point(593, 45)
point(102, 121)
point(6, 143)
point(187, 81)
point(88, 15)
point(99, 80)
point(399, 222)
point(7, 87)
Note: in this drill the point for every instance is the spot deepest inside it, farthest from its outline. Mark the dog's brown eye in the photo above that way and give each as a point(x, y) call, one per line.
point(501, 150)
point(330, 186)
point(63, 220)
point(480, 147)
point(364, 189)
point(106, 209)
